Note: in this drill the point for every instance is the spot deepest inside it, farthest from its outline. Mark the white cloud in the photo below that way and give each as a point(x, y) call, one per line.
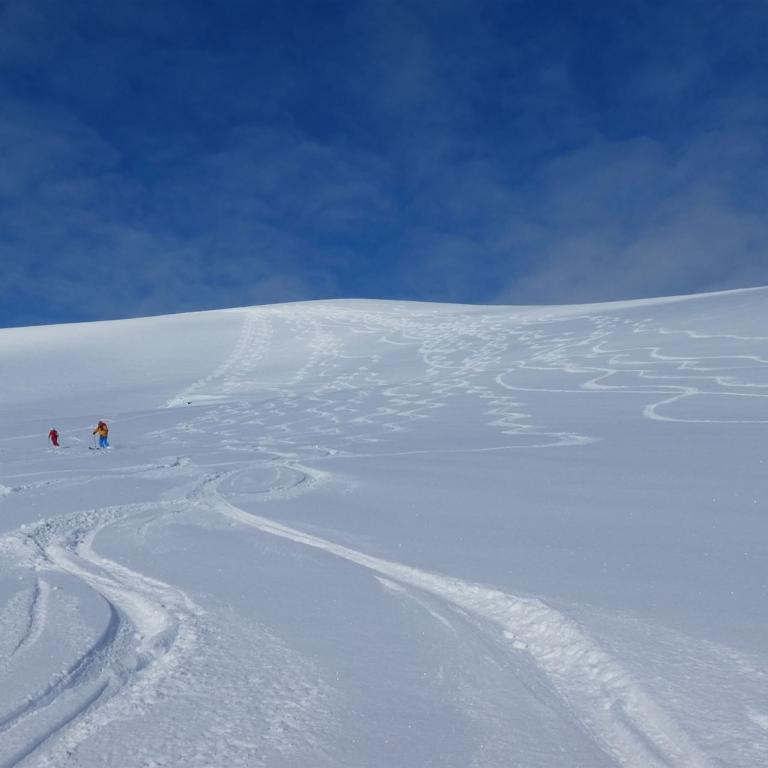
point(630, 219)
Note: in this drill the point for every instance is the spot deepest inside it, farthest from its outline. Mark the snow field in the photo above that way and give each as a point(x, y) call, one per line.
point(371, 533)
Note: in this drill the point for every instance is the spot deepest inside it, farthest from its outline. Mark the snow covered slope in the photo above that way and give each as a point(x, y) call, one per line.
point(381, 534)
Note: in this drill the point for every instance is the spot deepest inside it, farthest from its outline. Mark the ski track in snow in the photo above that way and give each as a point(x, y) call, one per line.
point(150, 627)
point(37, 608)
point(150, 650)
point(649, 371)
point(254, 334)
point(170, 632)
point(622, 717)
point(340, 403)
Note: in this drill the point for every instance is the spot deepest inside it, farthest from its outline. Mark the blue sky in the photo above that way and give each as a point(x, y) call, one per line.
point(181, 155)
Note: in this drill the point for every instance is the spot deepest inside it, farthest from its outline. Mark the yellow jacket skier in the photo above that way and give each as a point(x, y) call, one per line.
point(102, 430)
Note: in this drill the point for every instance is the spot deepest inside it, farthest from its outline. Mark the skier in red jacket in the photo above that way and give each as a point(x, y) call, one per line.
point(53, 436)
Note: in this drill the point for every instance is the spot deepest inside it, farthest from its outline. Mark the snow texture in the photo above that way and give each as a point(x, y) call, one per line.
point(361, 533)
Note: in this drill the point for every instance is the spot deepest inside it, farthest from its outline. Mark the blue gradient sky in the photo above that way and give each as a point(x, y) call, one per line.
point(163, 157)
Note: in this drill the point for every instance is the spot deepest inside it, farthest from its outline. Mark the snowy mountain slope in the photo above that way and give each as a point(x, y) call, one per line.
point(388, 534)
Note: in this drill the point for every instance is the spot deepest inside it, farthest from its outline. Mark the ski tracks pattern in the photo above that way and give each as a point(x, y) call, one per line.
point(150, 627)
point(341, 395)
point(158, 648)
point(471, 357)
point(610, 705)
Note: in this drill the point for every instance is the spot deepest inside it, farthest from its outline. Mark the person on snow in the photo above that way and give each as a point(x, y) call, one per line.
point(53, 436)
point(102, 430)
